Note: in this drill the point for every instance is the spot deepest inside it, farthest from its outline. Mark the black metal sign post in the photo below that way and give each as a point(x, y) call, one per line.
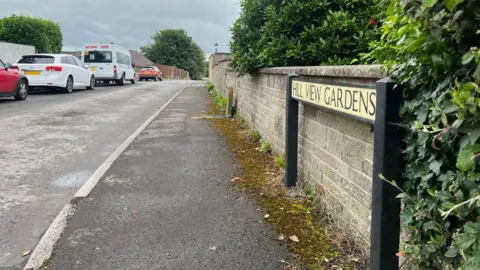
point(291, 135)
point(387, 161)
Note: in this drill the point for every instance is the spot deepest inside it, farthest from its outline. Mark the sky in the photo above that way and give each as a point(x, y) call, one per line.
point(131, 23)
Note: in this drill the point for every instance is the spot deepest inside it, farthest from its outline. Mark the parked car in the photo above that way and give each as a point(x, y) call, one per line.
point(13, 82)
point(109, 62)
point(150, 73)
point(56, 71)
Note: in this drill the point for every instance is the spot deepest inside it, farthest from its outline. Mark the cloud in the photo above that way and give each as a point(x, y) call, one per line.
point(130, 23)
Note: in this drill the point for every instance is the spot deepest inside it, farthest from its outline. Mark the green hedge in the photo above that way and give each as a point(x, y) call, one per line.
point(302, 33)
point(45, 35)
point(431, 48)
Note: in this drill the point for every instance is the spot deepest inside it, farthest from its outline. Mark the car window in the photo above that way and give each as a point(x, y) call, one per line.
point(64, 60)
point(77, 61)
point(37, 59)
point(70, 61)
point(1, 64)
point(97, 57)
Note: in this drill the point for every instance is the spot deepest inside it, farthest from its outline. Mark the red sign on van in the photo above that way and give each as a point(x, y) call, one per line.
point(90, 46)
point(105, 46)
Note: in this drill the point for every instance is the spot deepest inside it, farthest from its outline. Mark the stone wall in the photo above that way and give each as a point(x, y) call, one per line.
point(11, 52)
point(335, 152)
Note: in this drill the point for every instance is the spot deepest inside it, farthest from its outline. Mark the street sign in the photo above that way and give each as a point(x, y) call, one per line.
point(378, 105)
point(356, 101)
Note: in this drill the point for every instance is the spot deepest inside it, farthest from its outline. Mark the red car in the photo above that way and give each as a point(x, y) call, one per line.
point(13, 82)
point(150, 73)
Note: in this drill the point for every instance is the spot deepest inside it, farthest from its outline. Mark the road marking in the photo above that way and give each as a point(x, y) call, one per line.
point(43, 251)
point(45, 247)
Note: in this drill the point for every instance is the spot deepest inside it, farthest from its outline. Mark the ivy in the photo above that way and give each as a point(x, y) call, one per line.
point(431, 48)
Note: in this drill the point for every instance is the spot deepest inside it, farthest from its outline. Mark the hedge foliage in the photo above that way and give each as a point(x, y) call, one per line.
point(45, 35)
point(303, 32)
point(431, 49)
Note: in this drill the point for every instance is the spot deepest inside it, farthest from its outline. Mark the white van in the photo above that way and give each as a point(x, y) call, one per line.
point(109, 62)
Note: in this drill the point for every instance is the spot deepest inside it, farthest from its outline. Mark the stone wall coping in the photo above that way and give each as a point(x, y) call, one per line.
point(354, 71)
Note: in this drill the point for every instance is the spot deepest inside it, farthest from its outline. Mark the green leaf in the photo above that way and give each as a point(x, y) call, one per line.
point(401, 195)
point(452, 252)
point(467, 57)
point(465, 241)
point(474, 136)
point(464, 160)
point(435, 166)
point(391, 8)
point(429, 226)
point(451, 4)
point(429, 3)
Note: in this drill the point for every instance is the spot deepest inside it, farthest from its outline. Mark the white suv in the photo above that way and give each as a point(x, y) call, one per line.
point(56, 71)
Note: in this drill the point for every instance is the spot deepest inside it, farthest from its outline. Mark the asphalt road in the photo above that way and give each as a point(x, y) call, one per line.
point(52, 143)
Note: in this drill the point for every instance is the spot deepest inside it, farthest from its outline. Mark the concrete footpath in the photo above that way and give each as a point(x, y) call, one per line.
point(167, 203)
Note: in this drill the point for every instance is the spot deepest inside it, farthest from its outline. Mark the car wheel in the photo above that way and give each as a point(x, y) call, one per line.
point(133, 80)
point(22, 90)
point(69, 86)
point(122, 80)
point(92, 83)
point(156, 78)
point(160, 78)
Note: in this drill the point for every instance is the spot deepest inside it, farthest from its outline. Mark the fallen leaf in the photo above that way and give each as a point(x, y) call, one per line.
point(266, 216)
point(281, 208)
point(294, 238)
point(355, 259)
point(213, 248)
point(261, 194)
point(235, 179)
point(283, 261)
point(26, 252)
point(281, 237)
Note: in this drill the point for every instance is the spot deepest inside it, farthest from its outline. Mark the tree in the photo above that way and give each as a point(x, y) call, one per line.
point(174, 47)
point(45, 35)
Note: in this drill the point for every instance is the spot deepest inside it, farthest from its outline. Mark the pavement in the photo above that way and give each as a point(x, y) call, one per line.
point(52, 143)
point(167, 203)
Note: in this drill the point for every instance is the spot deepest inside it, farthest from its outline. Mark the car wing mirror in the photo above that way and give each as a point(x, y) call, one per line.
point(7, 66)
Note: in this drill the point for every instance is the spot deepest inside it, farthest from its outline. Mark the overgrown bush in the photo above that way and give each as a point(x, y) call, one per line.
point(431, 49)
point(45, 35)
point(301, 33)
point(265, 147)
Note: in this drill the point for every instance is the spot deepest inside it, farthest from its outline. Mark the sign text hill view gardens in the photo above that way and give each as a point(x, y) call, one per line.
point(357, 101)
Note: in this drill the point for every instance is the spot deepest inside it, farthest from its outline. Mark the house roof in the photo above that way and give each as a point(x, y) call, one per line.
point(140, 59)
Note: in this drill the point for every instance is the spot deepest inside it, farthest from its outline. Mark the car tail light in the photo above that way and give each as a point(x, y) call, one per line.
point(14, 67)
point(54, 68)
point(114, 69)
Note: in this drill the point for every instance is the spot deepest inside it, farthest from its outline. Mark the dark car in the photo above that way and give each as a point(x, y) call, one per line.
point(150, 73)
point(13, 82)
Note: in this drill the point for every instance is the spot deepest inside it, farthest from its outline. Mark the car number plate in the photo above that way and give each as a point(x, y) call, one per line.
point(32, 72)
point(93, 69)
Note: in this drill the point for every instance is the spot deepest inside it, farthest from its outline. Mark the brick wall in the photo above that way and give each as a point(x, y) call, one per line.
point(335, 152)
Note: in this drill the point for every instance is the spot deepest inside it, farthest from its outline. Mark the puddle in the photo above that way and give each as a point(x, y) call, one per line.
point(71, 180)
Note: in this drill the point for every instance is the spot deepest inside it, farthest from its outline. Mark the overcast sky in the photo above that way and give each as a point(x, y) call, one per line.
point(131, 23)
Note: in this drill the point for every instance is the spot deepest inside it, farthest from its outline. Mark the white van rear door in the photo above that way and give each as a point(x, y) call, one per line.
point(100, 63)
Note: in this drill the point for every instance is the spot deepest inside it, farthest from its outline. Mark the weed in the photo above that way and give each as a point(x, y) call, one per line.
point(210, 87)
point(309, 192)
point(280, 161)
point(256, 136)
point(266, 147)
